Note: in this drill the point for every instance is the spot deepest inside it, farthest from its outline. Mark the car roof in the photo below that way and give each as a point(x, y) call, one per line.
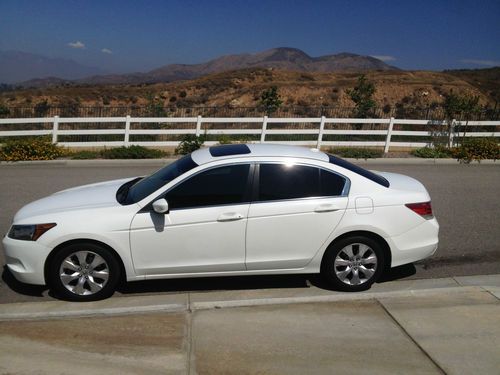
point(206, 155)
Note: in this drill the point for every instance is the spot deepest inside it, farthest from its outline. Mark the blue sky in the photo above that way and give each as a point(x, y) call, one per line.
point(140, 35)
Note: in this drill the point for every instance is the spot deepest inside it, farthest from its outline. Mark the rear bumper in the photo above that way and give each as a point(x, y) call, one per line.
point(418, 243)
point(26, 260)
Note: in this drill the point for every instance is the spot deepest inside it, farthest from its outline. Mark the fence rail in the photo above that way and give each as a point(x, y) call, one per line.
point(316, 131)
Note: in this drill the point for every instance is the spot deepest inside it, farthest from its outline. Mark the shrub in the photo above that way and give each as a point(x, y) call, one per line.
point(132, 152)
point(84, 155)
point(437, 152)
point(224, 139)
point(477, 149)
point(189, 144)
point(357, 153)
point(30, 149)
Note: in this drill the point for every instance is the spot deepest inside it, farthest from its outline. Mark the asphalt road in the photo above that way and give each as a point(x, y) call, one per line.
point(466, 201)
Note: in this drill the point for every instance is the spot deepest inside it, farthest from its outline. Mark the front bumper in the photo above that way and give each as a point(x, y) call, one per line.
point(26, 260)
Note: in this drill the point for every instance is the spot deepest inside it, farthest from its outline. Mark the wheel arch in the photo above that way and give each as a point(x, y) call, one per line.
point(55, 250)
point(374, 236)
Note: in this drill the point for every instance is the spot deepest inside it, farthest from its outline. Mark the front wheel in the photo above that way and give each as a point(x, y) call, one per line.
point(353, 264)
point(84, 272)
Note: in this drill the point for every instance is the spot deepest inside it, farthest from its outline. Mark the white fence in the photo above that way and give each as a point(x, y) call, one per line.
point(316, 127)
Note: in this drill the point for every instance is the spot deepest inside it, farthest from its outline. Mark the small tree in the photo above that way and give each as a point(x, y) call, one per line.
point(470, 107)
point(270, 100)
point(4, 111)
point(42, 109)
point(456, 105)
point(362, 96)
point(154, 107)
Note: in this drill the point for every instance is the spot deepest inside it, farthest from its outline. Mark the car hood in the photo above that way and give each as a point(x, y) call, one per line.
point(102, 194)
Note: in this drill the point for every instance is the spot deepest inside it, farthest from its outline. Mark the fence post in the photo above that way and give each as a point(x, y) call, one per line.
point(55, 128)
point(320, 134)
point(452, 132)
point(126, 140)
point(264, 127)
point(198, 126)
point(389, 135)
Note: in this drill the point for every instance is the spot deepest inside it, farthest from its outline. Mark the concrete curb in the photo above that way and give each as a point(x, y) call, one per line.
point(161, 162)
point(184, 302)
point(334, 298)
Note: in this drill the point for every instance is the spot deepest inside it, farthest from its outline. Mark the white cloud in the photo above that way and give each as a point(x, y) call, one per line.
point(384, 57)
point(77, 45)
point(481, 62)
point(106, 50)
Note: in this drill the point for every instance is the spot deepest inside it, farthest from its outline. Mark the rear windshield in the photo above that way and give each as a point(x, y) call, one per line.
point(148, 185)
point(361, 171)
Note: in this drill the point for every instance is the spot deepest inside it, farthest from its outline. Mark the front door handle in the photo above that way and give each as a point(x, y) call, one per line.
point(327, 207)
point(230, 216)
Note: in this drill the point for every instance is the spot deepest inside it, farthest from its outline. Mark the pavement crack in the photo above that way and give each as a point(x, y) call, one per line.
point(189, 337)
point(407, 334)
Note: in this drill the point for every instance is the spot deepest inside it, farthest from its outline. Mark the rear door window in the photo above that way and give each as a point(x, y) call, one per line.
point(283, 181)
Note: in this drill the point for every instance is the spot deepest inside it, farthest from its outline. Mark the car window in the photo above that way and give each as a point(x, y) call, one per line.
point(148, 185)
point(357, 169)
point(283, 181)
point(217, 186)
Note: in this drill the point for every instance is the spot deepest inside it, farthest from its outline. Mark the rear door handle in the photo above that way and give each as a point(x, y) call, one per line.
point(327, 207)
point(230, 216)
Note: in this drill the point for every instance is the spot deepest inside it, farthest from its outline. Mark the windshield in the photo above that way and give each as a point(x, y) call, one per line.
point(148, 185)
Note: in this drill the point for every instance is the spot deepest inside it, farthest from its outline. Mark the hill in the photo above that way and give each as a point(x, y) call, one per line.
point(242, 88)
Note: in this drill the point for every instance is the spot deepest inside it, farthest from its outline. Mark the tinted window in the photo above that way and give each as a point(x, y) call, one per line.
point(281, 181)
point(361, 171)
point(148, 185)
point(218, 186)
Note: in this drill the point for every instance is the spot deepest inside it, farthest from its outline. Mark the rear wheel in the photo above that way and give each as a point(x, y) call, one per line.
point(353, 264)
point(84, 272)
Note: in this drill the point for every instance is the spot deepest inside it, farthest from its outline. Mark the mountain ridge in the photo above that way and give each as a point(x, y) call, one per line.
point(284, 58)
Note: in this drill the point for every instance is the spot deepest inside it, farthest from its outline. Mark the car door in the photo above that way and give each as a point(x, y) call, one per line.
point(204, 229)
point(296, 208)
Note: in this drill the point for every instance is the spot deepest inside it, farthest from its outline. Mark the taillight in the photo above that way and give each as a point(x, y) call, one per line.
point(424, 209)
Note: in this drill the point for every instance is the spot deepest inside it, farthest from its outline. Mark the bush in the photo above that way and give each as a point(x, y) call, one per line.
point(357, 153)
point(189, 144)
point(224, 139)
point(437, 152)
point(477, 149)
point(30, 149)
point(132, 152)
point(84, 155)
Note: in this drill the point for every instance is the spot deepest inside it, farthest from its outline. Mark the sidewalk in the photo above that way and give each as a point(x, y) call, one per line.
point(430, 326)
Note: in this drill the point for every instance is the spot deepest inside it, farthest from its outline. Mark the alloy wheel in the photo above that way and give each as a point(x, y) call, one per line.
point(84, 273)
point(355, 264)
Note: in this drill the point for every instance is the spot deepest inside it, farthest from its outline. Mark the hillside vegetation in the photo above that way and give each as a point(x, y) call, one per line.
point(242, 88)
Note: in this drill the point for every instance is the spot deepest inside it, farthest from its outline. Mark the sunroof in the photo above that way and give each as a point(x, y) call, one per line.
point(226, 150)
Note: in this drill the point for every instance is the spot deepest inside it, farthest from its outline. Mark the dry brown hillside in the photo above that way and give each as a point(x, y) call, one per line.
point(242, 88)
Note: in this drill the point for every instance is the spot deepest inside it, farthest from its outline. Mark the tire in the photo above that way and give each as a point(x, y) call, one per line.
point(353, 264)
point(83, 271)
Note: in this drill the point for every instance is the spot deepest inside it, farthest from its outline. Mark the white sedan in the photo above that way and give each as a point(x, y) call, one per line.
point(225, 210)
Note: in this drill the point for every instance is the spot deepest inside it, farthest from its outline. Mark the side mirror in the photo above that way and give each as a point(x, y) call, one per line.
point(160, 206)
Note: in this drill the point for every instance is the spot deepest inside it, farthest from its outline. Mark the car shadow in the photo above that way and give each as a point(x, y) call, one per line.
point(226, 283)
point(396, 273)
point(21, 288)
point(210, 284)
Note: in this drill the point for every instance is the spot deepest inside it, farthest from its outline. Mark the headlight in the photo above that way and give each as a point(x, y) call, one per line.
point(29, 232)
